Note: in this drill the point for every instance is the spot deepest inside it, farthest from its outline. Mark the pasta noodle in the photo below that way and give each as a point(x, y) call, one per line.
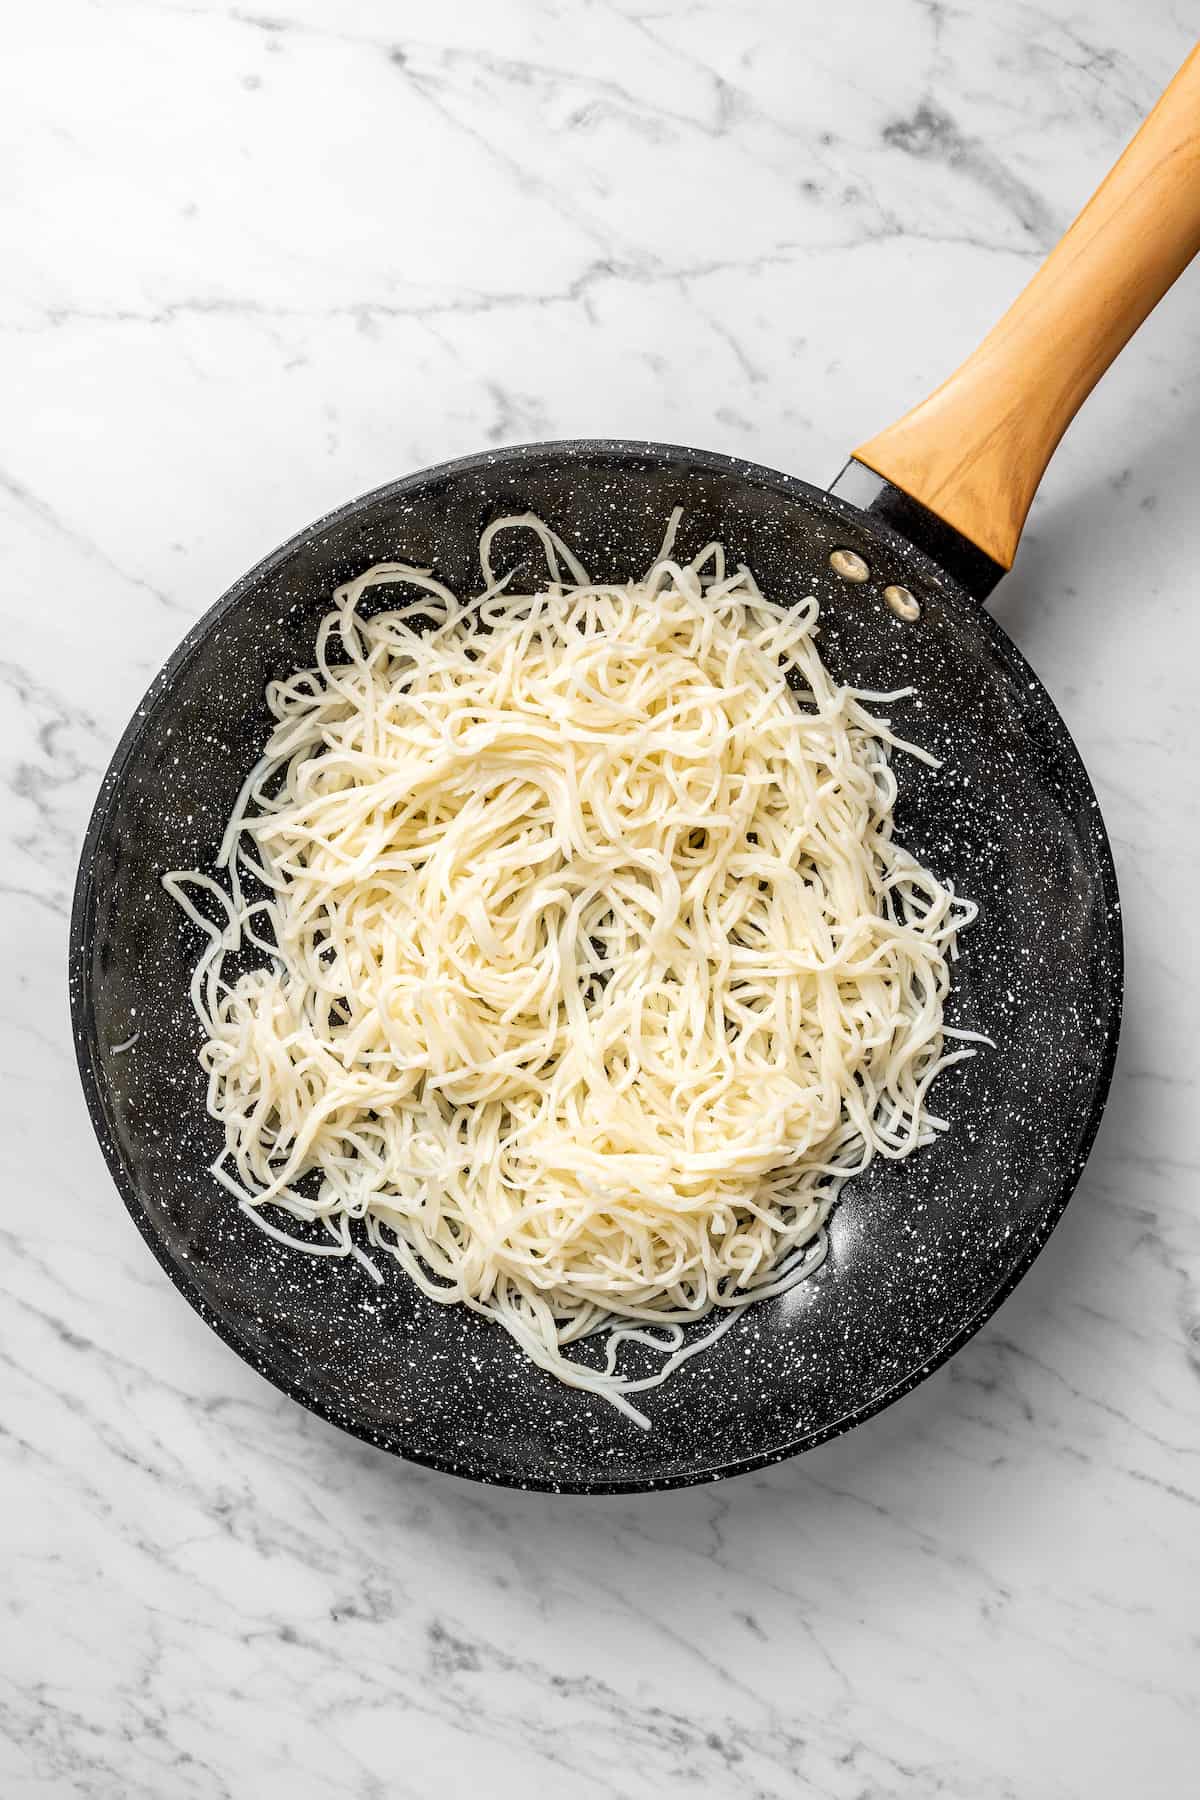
point(559, 947)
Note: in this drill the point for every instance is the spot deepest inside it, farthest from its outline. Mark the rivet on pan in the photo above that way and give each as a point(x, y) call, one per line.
point(849, 565)
point(904, 604)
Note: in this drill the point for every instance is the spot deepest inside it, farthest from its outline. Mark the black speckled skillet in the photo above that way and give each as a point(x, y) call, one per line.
point(921, 1252)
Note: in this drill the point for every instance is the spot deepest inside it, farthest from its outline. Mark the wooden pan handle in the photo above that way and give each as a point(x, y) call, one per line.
point(975, 450)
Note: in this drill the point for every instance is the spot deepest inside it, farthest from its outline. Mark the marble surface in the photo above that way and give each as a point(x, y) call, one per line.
point(258, 259)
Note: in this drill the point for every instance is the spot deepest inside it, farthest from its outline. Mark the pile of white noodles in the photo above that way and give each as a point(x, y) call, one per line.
point(576, 965)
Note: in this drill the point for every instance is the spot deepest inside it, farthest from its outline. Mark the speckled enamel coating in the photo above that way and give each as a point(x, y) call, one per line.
point(921, 1252)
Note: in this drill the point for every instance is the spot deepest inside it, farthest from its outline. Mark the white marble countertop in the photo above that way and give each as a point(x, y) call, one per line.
point(259, 259)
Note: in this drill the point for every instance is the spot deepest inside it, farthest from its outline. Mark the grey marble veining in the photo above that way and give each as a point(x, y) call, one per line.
point(259, 259)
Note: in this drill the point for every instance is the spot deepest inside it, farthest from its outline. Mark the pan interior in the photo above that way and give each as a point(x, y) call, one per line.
point(920, 1251)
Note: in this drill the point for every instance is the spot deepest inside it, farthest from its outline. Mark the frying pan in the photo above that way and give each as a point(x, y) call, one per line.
point(921, 1252)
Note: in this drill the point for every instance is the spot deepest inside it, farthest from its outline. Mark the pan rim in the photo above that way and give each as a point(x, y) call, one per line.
point(81, 950)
